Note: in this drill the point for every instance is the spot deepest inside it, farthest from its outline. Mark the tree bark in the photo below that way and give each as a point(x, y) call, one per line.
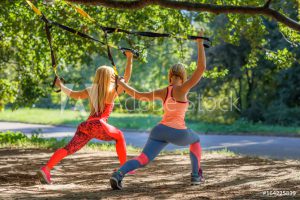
point(198, 7)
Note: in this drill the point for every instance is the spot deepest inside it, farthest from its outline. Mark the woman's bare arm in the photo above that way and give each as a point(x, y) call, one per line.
point(201, 66)
point(143, 96)
point(128, 69)
point(81, 94)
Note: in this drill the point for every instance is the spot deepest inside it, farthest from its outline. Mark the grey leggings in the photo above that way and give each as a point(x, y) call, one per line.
point(160, 136)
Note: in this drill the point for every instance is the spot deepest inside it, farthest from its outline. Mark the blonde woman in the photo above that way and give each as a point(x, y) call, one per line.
point(172, 128)
point(101, 98)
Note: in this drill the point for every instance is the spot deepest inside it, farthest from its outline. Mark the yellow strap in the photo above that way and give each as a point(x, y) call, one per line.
point(115, 69)
point(35, 9)
point(80, 11)
point(113, 46)
point(85, 15)
point(55, 70)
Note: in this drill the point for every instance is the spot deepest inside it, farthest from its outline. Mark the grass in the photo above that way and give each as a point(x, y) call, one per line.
point(73, 118)
point(11, 139)
point(142, 122)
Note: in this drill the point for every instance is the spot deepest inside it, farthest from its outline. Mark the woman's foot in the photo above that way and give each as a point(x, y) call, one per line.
point(196, 179)
point(129, 173)
point(44, 176)
point(116, 181)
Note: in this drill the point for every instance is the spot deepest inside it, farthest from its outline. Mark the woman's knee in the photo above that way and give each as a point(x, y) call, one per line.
point(194, 136)
point(143, 159)
point(118, 136)
point(81, 127)
point(68, 150)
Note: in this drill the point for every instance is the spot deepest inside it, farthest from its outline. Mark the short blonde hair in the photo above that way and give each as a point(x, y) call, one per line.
point(178, 70)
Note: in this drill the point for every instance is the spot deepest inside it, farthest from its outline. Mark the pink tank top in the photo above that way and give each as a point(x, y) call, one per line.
point(174, 111)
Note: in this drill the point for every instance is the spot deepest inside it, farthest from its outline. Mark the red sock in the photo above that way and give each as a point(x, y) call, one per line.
point(56, 158)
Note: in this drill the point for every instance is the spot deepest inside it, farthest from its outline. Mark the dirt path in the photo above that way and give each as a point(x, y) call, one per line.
point(85, 175)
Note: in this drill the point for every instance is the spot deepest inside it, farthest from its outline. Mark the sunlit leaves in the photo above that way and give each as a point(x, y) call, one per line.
point(282, 58)
point(291, 36)
point(8, 91)
point(24, 52)
point(215, 72)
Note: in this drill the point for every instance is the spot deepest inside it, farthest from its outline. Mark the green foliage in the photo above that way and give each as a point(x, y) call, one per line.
point(283, 59)
point(8, 91)
point(253, 58)
point(20, 140)
point(215, 72)
point(281, 114)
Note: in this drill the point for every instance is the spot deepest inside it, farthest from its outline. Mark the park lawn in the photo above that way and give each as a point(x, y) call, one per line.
point(142, 122)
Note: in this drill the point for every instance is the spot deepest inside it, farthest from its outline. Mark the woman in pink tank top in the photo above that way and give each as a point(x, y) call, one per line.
point(172, 128)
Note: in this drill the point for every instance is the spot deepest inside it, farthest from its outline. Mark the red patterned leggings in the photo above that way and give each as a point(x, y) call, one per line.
point(92, 128)
point(85, 132)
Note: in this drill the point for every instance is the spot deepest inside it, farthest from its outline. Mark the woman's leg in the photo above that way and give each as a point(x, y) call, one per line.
point(182, 137)
point(77, 142)
point(118, 136)
point(195, 156)
point(150, 151)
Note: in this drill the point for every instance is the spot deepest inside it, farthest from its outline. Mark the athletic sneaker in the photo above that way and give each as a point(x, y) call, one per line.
point(196, 179)
point(44, 176)
point(116, 181)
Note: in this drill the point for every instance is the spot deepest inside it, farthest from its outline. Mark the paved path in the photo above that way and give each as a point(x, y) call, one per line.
point(275, 147)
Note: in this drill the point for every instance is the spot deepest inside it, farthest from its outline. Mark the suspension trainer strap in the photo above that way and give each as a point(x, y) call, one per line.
point(71, 30)
point(49, 38)
point(139, 33)
point(53, 59)
point(110, 57)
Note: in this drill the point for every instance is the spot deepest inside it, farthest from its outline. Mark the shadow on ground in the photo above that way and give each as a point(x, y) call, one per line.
point(85, 175)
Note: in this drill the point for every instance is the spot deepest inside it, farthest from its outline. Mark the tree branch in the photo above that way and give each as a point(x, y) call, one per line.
point(267, 5)
point(198, 7)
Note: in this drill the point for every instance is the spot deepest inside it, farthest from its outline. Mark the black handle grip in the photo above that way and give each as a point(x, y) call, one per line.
point(192, 37)
point(134, 52)
point(53, 83)
point(206, 45)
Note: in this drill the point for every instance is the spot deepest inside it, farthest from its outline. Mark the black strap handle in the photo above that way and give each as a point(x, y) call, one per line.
point(134, 52)
point(54, 81)
point(71, 30)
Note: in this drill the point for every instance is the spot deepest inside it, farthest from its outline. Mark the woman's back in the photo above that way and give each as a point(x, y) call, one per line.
point(107, 105)
point(174, 110)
